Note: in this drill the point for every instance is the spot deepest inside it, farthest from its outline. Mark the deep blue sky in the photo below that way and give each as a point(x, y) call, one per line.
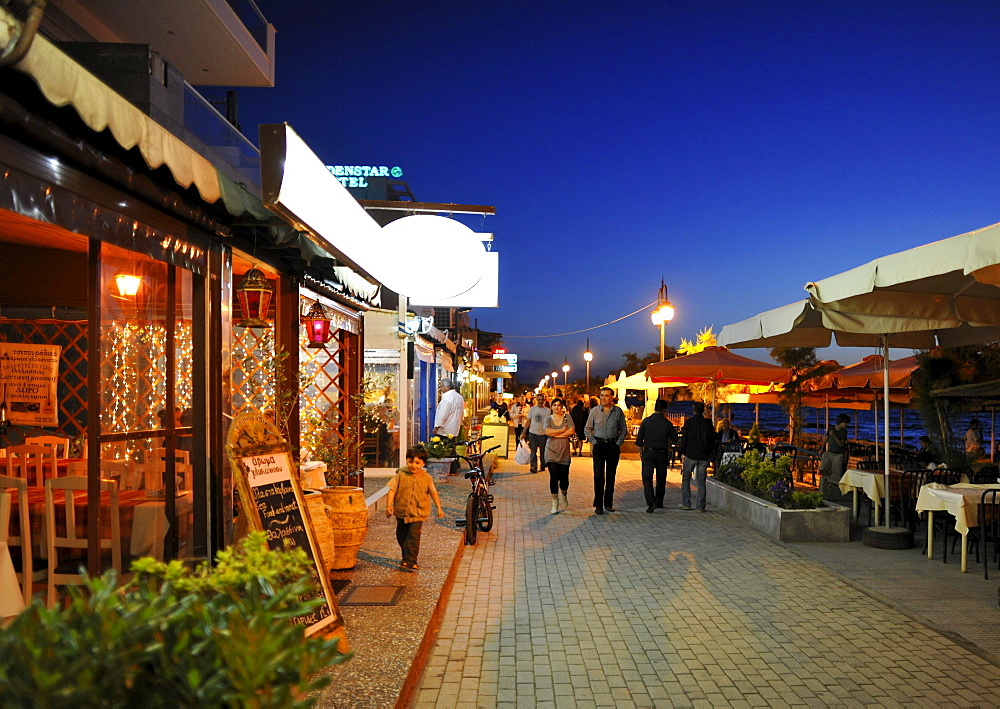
point(738, 149)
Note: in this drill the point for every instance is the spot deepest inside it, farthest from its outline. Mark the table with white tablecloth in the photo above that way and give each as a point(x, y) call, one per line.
point(961, 501)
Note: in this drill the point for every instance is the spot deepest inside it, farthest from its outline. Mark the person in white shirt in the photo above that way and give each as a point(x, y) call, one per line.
point(450, 410)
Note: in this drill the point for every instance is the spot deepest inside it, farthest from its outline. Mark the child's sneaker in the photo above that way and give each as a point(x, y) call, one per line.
point(413, 566)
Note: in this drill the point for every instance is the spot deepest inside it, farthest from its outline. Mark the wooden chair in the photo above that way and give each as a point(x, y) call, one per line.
point(32, 463)
point(123, 472)
point(19, 544)
point(58, 442)
point(59, 495)
point(182, 465)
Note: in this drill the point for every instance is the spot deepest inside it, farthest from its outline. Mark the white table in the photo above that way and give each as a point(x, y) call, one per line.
point(961, 501)
point(872, 482)
point(11, 597)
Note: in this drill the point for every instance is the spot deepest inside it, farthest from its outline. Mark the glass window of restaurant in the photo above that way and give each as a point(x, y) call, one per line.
point(127, 328)
point(147, 389)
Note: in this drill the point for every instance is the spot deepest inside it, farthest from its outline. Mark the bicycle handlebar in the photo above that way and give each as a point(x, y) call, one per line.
point(476, 459)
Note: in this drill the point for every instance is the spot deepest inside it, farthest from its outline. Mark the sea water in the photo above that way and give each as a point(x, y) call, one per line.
point(772, 418)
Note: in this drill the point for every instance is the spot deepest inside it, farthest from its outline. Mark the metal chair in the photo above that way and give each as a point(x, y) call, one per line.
point(68, 571)
point(988, 529)
point(904, 503)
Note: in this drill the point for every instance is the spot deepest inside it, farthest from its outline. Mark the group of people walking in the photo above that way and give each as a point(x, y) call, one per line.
point(554, 433)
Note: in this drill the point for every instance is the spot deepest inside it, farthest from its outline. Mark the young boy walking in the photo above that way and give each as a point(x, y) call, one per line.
point(409, 499)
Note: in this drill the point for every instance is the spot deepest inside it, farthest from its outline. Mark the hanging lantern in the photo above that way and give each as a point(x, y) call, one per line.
point(254, 293)
point(317, 323)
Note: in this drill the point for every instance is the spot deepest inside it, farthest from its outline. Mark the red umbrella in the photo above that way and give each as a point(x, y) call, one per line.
point(720, 367)
point(865, 381)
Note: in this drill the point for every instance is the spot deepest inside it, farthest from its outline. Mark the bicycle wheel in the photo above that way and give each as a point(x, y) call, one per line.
point(485, 518)
point(471, 514)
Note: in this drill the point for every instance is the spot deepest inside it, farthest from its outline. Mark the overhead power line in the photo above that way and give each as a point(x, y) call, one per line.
point(586, 329)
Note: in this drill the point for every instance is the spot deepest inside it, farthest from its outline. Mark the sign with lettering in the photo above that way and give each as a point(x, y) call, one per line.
point(357, 175)
point(271, 499)
point(511, 365)
point(29, 378)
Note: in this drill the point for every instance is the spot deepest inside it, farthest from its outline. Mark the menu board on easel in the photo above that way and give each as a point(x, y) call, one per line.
point(271, 499)
point(29, 377)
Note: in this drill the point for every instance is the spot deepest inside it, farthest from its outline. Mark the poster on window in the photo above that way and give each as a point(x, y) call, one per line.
point(29, 377)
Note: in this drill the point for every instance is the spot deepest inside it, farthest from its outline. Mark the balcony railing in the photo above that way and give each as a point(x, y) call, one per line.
point(252, 18)
point(219, 141)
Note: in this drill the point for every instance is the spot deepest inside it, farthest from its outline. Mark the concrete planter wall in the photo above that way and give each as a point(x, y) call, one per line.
point(830, 523)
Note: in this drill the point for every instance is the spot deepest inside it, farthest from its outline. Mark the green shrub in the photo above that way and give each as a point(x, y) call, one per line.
point(804, 501)
point(212, 636)
point(769, 480)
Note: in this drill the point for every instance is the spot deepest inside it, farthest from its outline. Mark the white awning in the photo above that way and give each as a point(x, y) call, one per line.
point(64, 82)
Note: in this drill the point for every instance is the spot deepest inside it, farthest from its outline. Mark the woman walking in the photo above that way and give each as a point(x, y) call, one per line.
point(558, 429)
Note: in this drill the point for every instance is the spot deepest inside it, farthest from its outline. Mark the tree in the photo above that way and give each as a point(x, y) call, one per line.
point(706, 338)
point(632, 362)
point(802, 360)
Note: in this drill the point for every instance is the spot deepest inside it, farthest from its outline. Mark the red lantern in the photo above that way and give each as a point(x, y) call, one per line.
point(317, 323)
point(254, 293)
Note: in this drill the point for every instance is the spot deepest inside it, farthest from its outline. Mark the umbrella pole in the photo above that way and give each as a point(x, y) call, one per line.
point(756, 414)
point(885, 418)
point(714, 384)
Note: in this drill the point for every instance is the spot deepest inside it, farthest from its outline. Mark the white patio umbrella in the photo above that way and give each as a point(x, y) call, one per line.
point(945, 293)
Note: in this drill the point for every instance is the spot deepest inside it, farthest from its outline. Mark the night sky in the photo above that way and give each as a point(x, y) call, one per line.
point(737, 149)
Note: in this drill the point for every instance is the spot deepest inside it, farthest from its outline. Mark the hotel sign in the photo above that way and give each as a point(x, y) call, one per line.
point(357, 175)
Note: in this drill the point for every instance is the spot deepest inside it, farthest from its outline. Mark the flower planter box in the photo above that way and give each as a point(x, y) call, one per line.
point(829, 523)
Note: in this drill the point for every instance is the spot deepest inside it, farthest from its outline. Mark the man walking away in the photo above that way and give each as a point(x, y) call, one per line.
point(656, 435)
point(697, 446)
point(606, 432)
point(535, 433)
point(450, 411)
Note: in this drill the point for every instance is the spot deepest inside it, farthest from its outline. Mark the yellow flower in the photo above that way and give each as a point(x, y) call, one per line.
point(436, 439)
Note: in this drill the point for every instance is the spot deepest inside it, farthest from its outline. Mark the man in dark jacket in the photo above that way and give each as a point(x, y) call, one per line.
point(697, 447)
point(656, 435)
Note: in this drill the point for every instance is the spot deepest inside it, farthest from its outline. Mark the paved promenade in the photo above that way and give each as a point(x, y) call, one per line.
point(678, 609)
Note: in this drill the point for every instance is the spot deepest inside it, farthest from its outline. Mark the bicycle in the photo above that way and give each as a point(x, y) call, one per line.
point(479, 505)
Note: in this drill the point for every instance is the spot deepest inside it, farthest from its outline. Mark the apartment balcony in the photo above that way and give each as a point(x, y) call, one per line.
point(211, 42)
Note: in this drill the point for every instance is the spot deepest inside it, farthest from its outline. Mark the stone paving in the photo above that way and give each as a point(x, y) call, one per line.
point(674, 609)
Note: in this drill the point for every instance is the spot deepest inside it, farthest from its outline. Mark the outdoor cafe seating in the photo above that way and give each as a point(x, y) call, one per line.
point(133, 513)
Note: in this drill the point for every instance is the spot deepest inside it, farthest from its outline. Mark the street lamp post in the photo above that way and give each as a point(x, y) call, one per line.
point(588, 357)
point(663, 314)
point(555, 382)
point(565, 369)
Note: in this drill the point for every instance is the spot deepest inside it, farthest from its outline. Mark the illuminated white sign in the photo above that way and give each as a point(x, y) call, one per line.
point(355, 175)
point(429, 258)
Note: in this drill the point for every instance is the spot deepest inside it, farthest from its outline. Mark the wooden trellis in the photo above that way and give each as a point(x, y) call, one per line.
point(71, 336)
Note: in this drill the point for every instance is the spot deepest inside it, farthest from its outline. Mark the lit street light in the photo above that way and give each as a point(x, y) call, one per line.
point(565, 369)
point(663, 314)
point(555, 382)
point(588, 357)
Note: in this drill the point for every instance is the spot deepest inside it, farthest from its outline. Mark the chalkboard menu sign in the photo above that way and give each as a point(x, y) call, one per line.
point(272, 501)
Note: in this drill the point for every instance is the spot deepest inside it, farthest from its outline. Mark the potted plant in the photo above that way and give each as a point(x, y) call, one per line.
point(442, 456)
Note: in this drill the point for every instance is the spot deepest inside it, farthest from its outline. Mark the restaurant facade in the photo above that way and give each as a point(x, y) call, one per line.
point(145, 255)
point(177, 269)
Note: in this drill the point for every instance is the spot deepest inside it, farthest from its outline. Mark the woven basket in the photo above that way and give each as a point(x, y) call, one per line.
point(319, 520)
